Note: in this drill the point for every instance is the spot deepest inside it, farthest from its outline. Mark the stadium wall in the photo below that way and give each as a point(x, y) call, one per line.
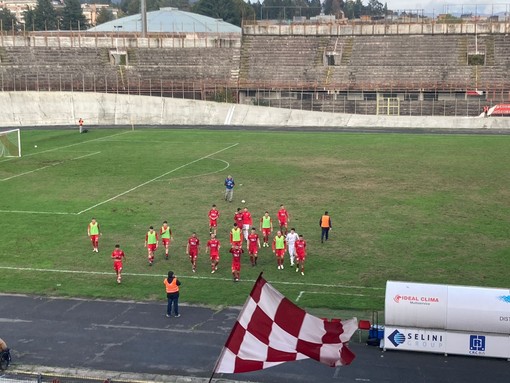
point(64, 109)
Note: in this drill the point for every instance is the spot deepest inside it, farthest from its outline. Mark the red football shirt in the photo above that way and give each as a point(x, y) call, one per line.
point(300, 247)
point(247, 218)
point(238, 218)
point(252, 240)
point(236, 255)
point(193, 242)
point(283, 216)
point(214, 214)
point(213, 245)
point(118, 254)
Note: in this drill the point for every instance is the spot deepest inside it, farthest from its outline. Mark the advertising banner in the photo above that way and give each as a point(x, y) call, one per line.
point(419, 305)
point(500, 110)
point(478, 344)
point(478, 309)
point(413, 339)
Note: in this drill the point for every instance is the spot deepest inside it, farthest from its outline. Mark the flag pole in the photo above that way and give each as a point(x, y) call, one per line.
point(230, 335)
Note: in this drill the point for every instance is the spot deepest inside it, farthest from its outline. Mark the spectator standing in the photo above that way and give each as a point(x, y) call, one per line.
point(229, 188)
point(325, 224)
point(172, 294)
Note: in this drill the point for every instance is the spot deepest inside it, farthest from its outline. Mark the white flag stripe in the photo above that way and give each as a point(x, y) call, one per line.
point(312, 329)
point(270, 300)
point(281, 340)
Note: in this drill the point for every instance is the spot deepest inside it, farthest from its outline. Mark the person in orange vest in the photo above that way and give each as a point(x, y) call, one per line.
point(172, 294)
point(325, 224)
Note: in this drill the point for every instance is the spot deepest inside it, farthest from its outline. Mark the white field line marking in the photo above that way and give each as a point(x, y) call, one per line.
point(154, 179)
point(182, 277)
point(164, 142)
point(180, 330)
point(198, 175)
point(63, 147)
point(301, 293)
point(48, 166)
point(35, 212)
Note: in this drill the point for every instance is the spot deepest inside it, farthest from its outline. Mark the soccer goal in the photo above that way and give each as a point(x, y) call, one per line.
point(10, 143)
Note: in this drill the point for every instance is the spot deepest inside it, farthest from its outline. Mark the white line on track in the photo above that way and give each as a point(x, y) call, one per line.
point(198, 175)
point(159, 329)
point(183, 277)
point(48, 166)
point(154, 179)
point(65, 146)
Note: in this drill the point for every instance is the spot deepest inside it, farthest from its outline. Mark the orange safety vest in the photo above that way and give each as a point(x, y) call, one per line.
point(325, 221)
point(171, 287)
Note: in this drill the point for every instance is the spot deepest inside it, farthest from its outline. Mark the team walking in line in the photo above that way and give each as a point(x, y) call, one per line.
point(243, 231)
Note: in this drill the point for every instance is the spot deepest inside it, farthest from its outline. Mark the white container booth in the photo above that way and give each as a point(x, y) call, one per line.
point(463, 320)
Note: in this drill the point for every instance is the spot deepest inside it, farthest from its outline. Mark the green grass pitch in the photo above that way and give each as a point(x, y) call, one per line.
point(425, 208)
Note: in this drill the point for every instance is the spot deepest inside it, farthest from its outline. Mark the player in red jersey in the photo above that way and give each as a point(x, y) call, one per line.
point(279, 247)
point(166, 237)
point(213, 248)
point(151, 243)
point(192, 249)
point(266, 227)
point(300, 254)
point(253, 246)
point(283, 219)
point(214, 214)
point(236, 252)
point(94, 232)
point(118, 256)
point(238, 218)
point(247, 222)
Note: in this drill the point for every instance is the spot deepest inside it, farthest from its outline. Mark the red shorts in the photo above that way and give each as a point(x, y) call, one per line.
point(165, 241)
point(253, 250)
point(237, 243)
point(280, 253)
point(266, 232)
point(94, 238)
point(236, 266)
point(193, 253)
point(117, 265)
point(283, 223)
point(213, 223)
point(151, 247)
point(300, 258)
point(214, 257)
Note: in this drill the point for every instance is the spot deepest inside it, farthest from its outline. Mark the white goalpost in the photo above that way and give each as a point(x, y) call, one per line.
point(10, 143)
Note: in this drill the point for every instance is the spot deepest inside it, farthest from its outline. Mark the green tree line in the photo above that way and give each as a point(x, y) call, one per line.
point(70, 17)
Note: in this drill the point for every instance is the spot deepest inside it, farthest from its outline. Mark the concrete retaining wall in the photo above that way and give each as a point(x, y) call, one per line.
point(59, 108)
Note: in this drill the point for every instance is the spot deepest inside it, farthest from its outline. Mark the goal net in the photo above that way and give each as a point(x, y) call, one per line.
point(10, 143)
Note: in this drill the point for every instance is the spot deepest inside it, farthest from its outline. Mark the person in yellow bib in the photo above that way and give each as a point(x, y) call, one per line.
point(151, 243)
point(94, 232)
point(166, 237)
point(236, 236)
point(279, 247)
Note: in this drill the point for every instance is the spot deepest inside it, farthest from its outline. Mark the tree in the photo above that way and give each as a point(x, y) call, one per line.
point(104, 15)
point(231, 11)
point(375, 8)
point(72, 16)
point(8, 20)
point(333, 7)
point(44, 17)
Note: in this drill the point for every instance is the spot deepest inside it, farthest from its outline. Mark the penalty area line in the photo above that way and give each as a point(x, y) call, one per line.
point(199, 175)
point(154, 179)
point(36, 212)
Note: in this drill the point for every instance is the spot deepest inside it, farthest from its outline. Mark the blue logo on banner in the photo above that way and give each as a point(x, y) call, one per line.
point(504, 298)
point(397, 338)
point(477, 343)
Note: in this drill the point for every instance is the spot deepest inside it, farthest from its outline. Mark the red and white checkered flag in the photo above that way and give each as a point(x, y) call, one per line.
point(272, 330)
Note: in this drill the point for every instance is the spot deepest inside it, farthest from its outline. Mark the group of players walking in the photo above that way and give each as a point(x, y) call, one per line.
point(242, 232)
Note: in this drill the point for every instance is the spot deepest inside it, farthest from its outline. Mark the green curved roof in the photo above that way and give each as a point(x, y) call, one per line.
point(168, 20)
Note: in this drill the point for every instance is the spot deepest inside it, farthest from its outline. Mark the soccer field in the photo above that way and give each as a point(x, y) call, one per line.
point(425, 208)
